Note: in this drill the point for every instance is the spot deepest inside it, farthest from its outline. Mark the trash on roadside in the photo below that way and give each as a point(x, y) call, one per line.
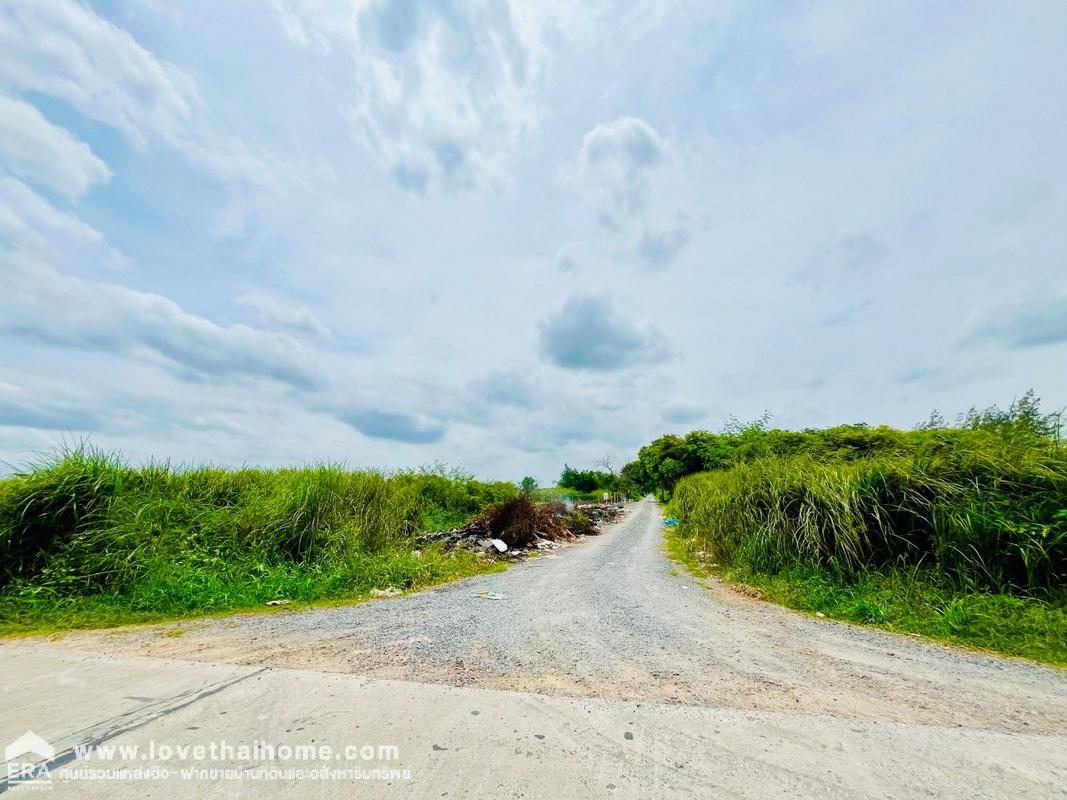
point(489, 596)
point(283, 602)
point(670, 522)
point(516, 527)
point(389, 591)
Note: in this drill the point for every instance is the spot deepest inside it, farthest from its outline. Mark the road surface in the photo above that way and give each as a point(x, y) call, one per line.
point(599, 672)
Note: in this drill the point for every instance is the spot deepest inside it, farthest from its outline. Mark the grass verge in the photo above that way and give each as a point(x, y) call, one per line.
point(910, 601)
point(177, 592)
point(87, 540)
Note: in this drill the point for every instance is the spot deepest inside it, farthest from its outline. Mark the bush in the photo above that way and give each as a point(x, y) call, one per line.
point(515, 522)
point(86, 522)
point(987, 510)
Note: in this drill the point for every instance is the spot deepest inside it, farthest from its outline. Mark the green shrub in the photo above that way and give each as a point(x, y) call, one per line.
point(985, 509)
point(84, 524)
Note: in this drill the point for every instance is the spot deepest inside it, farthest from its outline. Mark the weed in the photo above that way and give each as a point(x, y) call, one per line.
point(88, 540)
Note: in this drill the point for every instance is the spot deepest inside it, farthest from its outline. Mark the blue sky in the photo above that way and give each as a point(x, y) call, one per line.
point(506, 235)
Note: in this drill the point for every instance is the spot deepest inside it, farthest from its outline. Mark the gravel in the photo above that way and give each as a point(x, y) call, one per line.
point(613, 617)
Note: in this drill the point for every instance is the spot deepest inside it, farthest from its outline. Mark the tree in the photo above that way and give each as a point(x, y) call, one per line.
point(528, 485)
point(607, 463)
point(587, 480)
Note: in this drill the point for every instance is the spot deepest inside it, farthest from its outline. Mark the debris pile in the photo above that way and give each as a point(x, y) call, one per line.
point(516, 527)
point(600, 513)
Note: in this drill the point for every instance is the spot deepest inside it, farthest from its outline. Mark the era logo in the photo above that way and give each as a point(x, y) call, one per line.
point(27, 760)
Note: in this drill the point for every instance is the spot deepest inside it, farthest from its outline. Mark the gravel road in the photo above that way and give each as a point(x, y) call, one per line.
point(612, 617)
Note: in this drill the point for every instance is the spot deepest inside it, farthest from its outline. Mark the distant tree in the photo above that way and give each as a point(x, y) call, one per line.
point(528, 485)
point(587, 480)
point(663, 462)
point(607, 463)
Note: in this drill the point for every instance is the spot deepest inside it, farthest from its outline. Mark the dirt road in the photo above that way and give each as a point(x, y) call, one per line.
point(610, 629)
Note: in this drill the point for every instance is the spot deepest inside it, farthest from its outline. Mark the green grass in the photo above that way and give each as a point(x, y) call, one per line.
point(910, 602)
point(556, 493)
point(88, 541)
point(181, 592)
point(987, 512)
point(962, 539)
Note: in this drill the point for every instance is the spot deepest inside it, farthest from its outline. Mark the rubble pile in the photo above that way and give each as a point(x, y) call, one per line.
point(520, 526)
point(600, 513)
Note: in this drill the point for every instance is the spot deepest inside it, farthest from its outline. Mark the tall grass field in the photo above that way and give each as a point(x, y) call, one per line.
point(87, 540)
point(959, 533)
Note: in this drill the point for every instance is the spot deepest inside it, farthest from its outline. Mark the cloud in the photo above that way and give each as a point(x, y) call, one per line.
point(657, 249)
point(57, 411)
point(395, 426)
point(441, 93)
point(587, 334)
point(617, 167)
point(919, 374)
point(34, 149)
point(1023, 326)
point(109, 318)
point(505, 391)
point(848, 314)
point(276, 312)
point(683, 414)
point(847, 254)
point(61, 49)
point(511, 389)
point(30, 224)
point(571, 257)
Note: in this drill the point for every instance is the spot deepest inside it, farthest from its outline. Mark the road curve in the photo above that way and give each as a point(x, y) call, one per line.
point(601, 636)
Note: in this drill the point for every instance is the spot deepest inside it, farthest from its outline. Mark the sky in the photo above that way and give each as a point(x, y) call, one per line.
point(510, 234)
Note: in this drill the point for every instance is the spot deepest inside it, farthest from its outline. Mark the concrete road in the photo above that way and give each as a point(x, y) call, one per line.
point(600, 673)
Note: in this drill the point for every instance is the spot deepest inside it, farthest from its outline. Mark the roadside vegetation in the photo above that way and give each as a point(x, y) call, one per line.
point(88, 541)
point(957, 532)
point(588, 485)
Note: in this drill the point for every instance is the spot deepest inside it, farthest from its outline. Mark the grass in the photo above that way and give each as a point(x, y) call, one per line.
point(907, 602)
point(558, 494)
point(182, 593)
point(960, 536)
point(964, 541)
point(988, 513)
point(88, 541)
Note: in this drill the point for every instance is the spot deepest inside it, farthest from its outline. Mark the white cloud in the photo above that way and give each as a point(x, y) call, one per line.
point(284, 315)
point(441, 94)
point(61, 409)
point(572, 257)
point(683, 414)
point(440, 90)
point(34, 149)
point(41, 305)
point(394, 426)
point(29, 223)
point(62, 49)
point(617, 168)
point(1033, 323)
point(588, 334)
point(849, 253)
point(657, 248)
